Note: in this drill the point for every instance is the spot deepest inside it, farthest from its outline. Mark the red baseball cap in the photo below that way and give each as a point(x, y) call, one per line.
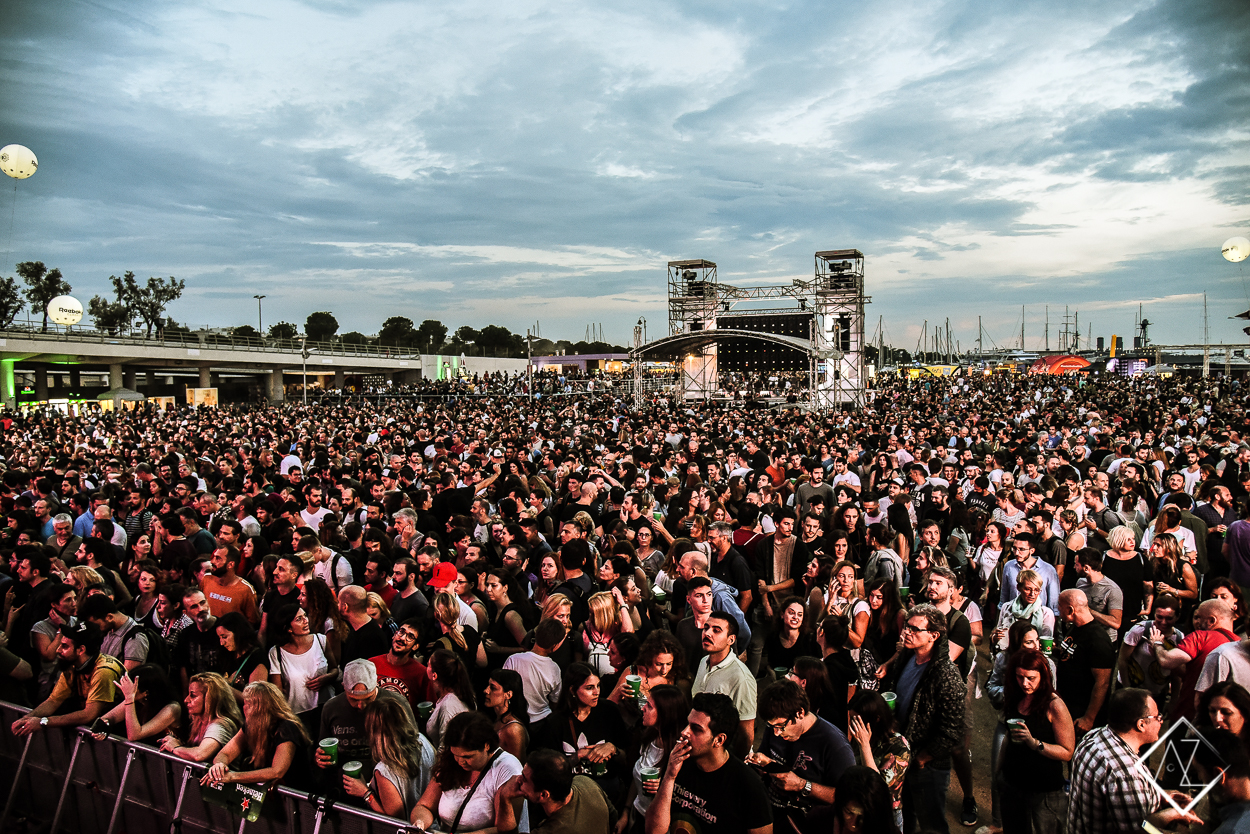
point(445, 573)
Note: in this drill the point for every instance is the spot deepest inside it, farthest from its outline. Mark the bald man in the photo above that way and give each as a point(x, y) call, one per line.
point(1213, 627)
point(1084, 660)
point(367, 639)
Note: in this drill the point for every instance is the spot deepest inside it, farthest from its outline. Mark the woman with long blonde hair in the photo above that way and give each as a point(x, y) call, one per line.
point(273, 743)
point(607, 619)
point(404, 759)
point(455, 636)
point(215, 718)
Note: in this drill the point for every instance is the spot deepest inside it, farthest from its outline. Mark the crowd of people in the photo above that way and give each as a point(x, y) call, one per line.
point(574, 616)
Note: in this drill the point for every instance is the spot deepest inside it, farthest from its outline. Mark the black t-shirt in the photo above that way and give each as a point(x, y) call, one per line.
point(1084, 649)
point(199, 651)
point(275, 599)
point(370, 640)
point(733, 571)
point(959, 632)
point(298, 775)
point(779, 655)
point(568, 735)
point(404, 608)
point(339, 719)
point(819, 755)
point(690, 636)
point(842, 674)
point(728, 800)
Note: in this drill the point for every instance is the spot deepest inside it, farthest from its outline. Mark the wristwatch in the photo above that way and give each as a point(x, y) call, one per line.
point(1040, 745)
point(807, 788)
point(43, 722)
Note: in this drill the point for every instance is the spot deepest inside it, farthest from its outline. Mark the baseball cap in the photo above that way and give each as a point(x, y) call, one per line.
point(358, 672)
point(445, 573)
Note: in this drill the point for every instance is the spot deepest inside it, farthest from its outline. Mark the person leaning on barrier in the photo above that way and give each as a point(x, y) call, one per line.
point(468, 774)
point(149, 705)
point(86, 687)
point(214, 719)
point(272, 743)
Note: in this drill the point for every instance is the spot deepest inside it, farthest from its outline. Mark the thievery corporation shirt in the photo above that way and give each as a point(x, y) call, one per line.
point(728, 800)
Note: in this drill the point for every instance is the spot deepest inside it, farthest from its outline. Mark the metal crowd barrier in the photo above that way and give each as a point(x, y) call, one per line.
point(68, 779)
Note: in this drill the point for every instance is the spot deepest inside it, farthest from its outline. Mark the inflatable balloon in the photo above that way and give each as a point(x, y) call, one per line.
point(1236, 249)
point(65, 309)
point(18, 161)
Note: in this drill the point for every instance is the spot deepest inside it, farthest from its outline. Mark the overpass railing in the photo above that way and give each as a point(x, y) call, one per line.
point(65, 778)
point(199, 339)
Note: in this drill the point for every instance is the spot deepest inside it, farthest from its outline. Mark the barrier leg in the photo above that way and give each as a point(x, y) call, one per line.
point(17, 777)
point(121, 791)
point(242, 823)
point(69, 777)
point(175, 822)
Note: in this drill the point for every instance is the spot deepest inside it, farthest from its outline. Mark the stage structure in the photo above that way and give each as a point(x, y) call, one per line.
point(822, 327)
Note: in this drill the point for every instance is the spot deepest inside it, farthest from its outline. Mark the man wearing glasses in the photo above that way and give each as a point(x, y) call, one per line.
point(399, 671)
point(814, 752)
point(930, 712)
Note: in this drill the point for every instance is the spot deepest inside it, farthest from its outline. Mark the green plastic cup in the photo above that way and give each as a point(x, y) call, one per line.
point(890, 698)
point(330, 746)
point(902, 593)
point(657, 515)
point(425, 709)
point(601, 768)
point(1048, 643)
point(353, 769)
point(660, 596)
point(634, 684)
point(781, 672)
point(1013, 723)
point(650, 777)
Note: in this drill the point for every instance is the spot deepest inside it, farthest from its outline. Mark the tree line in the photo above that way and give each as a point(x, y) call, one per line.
point(431, 336)
point(135, 303)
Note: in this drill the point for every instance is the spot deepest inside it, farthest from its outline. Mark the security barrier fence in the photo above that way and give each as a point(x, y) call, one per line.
point(66, 779)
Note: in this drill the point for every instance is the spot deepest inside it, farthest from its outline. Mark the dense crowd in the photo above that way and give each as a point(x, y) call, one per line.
point(570, 615)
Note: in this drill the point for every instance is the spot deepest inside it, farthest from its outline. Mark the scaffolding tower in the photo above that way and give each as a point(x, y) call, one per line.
point(841, 375)
point(693, 300)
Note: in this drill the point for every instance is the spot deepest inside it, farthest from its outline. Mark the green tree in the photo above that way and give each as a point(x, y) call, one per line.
point(42, 285)
point(283, 330)
point(320, 327)
point(467, 334)
point(353, 337)
point(110, 316)
point(10, 301)
point(153, 298)
point(397, 330)
point(245, 331)
point(431, 335)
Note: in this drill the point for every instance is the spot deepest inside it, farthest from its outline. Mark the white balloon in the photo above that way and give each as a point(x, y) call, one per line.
point(65, 309)
point(1236, 249)
point(18, 161)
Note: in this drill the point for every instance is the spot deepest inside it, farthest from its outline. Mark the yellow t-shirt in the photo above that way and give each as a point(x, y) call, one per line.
point(101, 685)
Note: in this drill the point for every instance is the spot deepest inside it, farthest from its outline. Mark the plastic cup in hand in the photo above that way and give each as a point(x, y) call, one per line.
point(657, 515)
point(634, 684)
point(424, 709)
point(890, 698)
point(1013, 723)
point(902, 593)
point(1048, 643)
point(600, 768)
point(659, 596)
point(353, 769)
point(650, 777)
point(330, 746)
point(780, 672)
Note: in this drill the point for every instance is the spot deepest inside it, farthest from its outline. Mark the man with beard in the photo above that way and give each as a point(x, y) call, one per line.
point(399, 670)
point(225, 590)
point(86, 685)
point(408, 601)
point(199, 649)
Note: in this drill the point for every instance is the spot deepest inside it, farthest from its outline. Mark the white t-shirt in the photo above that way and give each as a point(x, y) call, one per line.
point(847, 477)
point(313, 519)
point(540, 679)
point(1228, 662)
point(342, 573)
point(1183, 534)
point(298, 669)
point(447, 708)
point(287, 463)
point(479, 813)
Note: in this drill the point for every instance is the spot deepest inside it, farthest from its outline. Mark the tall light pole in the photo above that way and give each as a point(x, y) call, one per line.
point(303, 352)
point(260, 321)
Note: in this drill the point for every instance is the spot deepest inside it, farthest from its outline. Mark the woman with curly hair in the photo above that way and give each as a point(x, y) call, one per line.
point(660, 662)
point(470, 769)
point(1173, 574)
point(273, 744)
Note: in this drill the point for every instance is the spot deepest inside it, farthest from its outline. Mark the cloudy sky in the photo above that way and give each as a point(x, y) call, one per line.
point(513, 162)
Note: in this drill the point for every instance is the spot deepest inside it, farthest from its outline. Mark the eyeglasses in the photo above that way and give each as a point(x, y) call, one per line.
point(910, 627)
point(780, 728)
point(1158, 717)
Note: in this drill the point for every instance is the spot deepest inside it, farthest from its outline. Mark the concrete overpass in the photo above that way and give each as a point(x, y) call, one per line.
point(73, 352)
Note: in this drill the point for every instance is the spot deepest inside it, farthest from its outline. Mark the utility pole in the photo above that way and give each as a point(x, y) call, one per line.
point(1022, 327)
point(1047, 327)
point(529, 363)
point(978, 336)
point(1206, 339)
point(303, 352)
point(260, 319)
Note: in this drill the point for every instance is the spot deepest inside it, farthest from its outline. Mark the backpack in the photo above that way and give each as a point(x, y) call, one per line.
point(158, 649)
point(354, 562)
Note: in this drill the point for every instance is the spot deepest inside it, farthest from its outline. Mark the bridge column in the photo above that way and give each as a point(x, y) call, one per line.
point(149, 382)
point(75, 380)
point(115, 376)
point(277, 394)
point(128, 378)
point(340, 378)
point(41, 383)
point(206, 380)
point(8, 383)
